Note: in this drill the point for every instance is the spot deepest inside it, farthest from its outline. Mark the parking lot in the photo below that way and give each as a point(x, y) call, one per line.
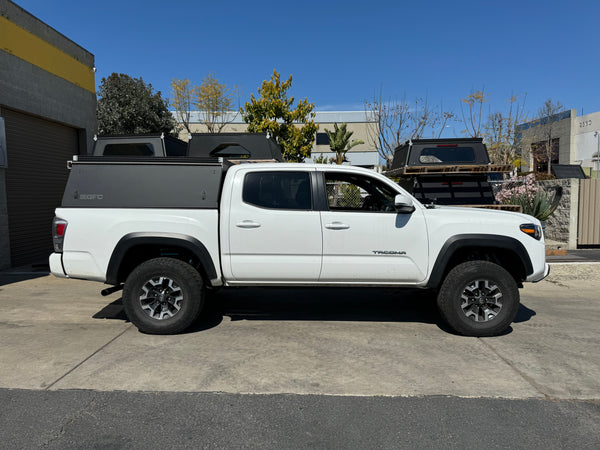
point(61, 334)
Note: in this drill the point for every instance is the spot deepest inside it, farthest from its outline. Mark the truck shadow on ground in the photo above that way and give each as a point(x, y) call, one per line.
point(315, 304)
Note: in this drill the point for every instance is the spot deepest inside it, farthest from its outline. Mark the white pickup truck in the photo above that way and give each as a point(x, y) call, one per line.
point(170, 228)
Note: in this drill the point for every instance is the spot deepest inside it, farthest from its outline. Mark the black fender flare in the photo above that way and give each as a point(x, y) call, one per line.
point(131, 240)
point(487, 241)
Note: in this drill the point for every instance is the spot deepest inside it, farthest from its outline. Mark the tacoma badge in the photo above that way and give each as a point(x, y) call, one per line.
point(388, 252)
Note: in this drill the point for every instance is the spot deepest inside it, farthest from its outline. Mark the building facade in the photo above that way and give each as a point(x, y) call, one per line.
point(47, 114)
point(574, 139)
point(586, 142)
point(363, 125)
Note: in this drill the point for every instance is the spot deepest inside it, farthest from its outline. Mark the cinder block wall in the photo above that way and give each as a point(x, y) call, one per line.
point(562, 225)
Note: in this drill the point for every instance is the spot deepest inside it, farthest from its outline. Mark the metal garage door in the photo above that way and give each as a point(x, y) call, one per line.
point(35, 179)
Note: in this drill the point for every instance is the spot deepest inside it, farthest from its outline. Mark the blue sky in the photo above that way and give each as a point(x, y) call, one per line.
point(341, 52)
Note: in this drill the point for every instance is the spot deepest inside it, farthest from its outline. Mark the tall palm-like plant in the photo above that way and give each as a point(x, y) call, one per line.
point(339, 141)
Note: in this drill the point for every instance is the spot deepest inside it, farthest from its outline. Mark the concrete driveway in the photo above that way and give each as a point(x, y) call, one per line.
point(61, 334)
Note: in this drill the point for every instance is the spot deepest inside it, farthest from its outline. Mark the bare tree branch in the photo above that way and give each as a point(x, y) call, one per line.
point(394, 121)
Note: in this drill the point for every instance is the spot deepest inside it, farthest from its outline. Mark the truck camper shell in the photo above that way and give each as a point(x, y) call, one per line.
point(235, 146)
point(431, 152)
point(159, 182)
point(143, 145)
point(448, 172)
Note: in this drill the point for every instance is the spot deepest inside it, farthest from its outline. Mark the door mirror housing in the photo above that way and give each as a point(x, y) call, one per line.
point(403, 204)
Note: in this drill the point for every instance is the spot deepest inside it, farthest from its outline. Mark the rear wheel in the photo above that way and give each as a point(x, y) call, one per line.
point(478, 298)
point(163, 296)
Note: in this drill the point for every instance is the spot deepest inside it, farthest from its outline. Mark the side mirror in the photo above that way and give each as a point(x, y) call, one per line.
point(403, 204)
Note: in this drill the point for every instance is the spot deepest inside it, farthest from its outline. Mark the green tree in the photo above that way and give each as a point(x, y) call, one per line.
point(214, 100)
point(130, 106)
point(273, 112)
point(321, 159)
point(182, 97)
point(339, 141)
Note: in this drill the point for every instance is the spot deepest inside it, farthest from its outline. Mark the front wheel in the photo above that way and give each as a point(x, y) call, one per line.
point(163, 296)
point(478, 298)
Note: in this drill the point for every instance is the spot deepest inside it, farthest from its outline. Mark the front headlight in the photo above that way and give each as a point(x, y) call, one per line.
point(533, 230)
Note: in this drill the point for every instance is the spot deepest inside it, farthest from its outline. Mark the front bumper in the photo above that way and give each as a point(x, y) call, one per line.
point(535, 277)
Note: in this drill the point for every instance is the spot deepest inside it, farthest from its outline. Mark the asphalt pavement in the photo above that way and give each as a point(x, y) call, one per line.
point(139, 420)
point(319, 368)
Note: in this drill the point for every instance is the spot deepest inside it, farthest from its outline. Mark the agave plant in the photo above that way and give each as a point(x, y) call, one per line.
point(541, 205)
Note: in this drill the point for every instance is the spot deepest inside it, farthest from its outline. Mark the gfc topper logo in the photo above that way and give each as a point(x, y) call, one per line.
point(79, 196)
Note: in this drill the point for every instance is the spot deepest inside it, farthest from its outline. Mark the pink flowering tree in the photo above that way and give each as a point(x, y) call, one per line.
point(524, 192)
point(517, 187)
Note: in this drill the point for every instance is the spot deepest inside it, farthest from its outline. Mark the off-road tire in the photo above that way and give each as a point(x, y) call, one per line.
point(165, 284)
point(473, 288)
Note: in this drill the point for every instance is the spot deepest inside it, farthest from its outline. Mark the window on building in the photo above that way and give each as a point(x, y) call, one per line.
point(322, 139)
point(278, 190)
point(542, 151)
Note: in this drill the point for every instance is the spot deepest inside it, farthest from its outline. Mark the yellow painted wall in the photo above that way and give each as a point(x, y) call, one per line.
point(27, 46)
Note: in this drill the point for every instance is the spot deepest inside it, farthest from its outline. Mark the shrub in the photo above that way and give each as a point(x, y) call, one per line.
point(539, 176)
point(539, 206)
point(523, 191)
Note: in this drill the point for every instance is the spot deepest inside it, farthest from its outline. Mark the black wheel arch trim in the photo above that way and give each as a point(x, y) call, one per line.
point(131, 240)
point(487, 241)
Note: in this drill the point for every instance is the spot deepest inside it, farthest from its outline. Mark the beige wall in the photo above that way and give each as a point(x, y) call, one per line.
point(360, 131)
point(201, 128)
point(561, 129)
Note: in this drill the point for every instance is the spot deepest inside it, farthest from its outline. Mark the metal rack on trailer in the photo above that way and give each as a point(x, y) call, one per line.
point(448, 172)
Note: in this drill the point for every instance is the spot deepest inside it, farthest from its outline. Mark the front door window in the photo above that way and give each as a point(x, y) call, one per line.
point(350, 192)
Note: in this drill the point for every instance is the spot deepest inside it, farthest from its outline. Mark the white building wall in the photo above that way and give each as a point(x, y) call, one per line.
point(586, 131)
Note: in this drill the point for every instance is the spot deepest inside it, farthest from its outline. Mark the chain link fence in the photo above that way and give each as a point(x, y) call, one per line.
point(341, 194)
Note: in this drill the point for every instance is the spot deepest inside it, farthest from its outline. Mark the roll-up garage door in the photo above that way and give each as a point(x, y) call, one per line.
point(36, 175)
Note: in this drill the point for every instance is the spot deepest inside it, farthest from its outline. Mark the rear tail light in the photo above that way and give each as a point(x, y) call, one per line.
point(59, 227)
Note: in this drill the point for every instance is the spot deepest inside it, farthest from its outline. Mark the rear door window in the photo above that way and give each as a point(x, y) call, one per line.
point(278, 190)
